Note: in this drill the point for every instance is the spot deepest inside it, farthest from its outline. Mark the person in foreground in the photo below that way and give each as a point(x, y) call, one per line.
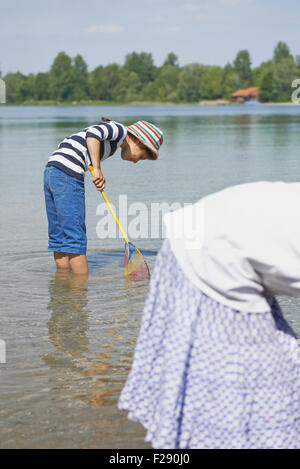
point(216, 365)
point(64, 181)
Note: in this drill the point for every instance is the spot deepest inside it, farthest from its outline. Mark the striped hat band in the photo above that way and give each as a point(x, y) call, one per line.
point(150, 135)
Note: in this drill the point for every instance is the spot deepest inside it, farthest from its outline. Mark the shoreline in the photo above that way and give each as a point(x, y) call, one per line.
point(144, 103)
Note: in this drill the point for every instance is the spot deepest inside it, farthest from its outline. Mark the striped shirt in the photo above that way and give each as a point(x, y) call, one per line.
point(72, 156)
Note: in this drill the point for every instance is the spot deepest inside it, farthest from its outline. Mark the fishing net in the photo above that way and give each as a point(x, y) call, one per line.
point(134, 263)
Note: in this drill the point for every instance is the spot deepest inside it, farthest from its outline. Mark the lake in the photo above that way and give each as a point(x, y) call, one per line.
point(69, 344)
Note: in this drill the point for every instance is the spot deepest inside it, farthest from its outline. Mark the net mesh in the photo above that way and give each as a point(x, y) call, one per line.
point(134, 263)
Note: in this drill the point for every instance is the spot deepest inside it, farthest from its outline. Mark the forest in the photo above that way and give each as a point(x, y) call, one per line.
point(140, 80)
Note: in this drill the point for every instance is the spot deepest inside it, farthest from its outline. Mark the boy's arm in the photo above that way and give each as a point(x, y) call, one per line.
point(93, 146)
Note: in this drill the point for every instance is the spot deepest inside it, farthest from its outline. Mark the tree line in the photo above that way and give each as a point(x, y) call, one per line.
point(139, 79)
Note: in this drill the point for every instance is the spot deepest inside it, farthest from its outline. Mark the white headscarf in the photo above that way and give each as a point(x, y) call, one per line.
point(241, 244)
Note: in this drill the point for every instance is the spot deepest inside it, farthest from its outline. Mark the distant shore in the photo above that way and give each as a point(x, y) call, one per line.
point(211, 102)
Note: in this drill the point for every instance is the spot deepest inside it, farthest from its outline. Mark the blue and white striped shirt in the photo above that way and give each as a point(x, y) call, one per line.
point(72, 155)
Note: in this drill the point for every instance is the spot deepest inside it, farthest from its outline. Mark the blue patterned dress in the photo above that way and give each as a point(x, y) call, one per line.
point(207, 376)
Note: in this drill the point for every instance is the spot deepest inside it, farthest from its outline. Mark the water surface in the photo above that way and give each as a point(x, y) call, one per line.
point(70, 343)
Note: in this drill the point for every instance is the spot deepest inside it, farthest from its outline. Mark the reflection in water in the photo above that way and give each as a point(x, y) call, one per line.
point(68, 332)
point(69, 321)
point(95, 377)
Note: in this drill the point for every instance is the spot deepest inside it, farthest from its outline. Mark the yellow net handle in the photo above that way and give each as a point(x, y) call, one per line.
point(112, 210)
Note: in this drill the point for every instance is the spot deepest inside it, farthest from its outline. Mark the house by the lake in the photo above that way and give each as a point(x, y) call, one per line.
point(248, 94)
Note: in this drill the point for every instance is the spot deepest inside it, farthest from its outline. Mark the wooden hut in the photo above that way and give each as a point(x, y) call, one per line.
point(248, 94)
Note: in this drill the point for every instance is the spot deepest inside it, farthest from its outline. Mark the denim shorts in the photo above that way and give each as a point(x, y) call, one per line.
point(65, 206)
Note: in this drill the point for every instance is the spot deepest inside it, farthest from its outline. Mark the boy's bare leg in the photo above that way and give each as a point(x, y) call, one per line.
point(78, 263)
point(62, 261)
point(75, 262)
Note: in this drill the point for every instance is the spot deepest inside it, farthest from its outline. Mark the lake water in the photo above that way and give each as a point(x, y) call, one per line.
point(69, 344)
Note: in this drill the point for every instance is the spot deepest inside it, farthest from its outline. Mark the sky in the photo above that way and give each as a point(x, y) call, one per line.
point(33, 32)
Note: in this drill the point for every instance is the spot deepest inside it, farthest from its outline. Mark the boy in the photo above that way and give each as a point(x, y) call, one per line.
point(64, 181)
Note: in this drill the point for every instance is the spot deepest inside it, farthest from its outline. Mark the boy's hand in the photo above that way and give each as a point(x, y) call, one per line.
point(99, 180)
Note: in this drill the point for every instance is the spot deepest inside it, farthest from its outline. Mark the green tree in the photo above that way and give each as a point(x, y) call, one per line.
point(211, 84)
point(134, 88)
point(260, 71)
point(281, 51)
point(140, 79)
point(164, 87)
point(80, 90)
point(230, 81)
point(28, 87)
point(19, 88)
point(42, 89)
point(121, 87)
point(189, 82)
point(109, 83)
point(95, 83)
point(242, 65)
point(266, 86)
point(62, 77)
point(172, 59)
point(11, 83)
point(285, 72)
point(141, 64)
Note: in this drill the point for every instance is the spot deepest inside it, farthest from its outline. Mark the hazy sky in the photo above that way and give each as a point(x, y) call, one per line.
point(32, 32)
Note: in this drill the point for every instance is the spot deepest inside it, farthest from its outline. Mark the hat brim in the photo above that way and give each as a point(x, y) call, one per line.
point(154, 153)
